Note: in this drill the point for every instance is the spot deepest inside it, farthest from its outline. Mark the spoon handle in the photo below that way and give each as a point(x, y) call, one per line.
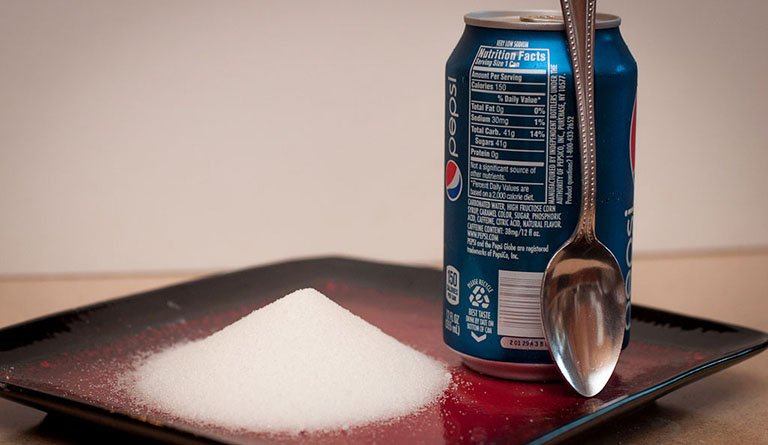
point(579, 17)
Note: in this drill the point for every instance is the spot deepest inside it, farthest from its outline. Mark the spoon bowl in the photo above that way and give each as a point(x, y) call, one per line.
point(584, 304)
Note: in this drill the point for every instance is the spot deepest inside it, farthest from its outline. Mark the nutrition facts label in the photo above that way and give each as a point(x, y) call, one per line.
point(508, 111)
point(521, 151)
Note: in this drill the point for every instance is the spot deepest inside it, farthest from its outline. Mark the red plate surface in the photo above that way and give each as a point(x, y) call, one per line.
point(71, 362)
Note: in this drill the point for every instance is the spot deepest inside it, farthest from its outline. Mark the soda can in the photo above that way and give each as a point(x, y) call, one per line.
point(513, 178)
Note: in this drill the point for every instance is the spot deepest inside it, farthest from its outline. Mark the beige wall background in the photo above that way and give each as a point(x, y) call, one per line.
point(167, 135)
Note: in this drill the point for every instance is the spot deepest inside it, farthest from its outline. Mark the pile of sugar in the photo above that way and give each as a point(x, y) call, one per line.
point(301, 363)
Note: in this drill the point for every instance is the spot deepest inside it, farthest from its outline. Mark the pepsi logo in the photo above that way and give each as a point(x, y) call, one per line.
point(453, 181)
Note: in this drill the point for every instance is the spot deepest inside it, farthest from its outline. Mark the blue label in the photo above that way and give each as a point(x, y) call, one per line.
point(513, 180)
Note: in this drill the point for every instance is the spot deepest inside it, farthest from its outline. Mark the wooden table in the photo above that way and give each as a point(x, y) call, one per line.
point(728, 407)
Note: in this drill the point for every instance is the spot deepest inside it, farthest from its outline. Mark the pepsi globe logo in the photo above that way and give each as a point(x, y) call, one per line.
point(453, 180)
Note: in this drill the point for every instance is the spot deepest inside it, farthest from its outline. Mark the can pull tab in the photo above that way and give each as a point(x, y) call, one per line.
point(541, 18)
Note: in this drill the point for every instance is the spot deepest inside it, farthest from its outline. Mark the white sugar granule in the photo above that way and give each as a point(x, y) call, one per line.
point(301, 363)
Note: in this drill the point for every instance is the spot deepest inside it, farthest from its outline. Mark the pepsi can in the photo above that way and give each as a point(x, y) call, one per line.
point(513, 178)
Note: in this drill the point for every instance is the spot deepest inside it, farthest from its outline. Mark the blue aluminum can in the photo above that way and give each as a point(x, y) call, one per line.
point(513, 182)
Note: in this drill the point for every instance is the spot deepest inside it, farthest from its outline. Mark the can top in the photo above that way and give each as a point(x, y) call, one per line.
point(532, 20)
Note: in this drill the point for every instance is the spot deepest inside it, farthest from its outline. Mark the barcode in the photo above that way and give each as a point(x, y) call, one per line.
point(519, 304)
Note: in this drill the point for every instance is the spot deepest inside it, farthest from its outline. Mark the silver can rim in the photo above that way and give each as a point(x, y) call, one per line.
point(532, 20)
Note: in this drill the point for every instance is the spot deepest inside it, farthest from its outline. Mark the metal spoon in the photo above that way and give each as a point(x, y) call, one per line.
point(583, 301)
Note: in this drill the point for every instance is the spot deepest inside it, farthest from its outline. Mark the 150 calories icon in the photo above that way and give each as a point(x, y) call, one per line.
point(452, 280)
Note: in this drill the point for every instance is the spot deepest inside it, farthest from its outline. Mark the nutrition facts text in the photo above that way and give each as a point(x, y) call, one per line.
point(508, 111)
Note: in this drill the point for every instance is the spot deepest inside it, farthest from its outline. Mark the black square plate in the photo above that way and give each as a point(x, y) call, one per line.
point(70, 362)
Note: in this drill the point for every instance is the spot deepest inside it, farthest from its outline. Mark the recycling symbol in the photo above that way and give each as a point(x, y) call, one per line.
point(479, 297)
